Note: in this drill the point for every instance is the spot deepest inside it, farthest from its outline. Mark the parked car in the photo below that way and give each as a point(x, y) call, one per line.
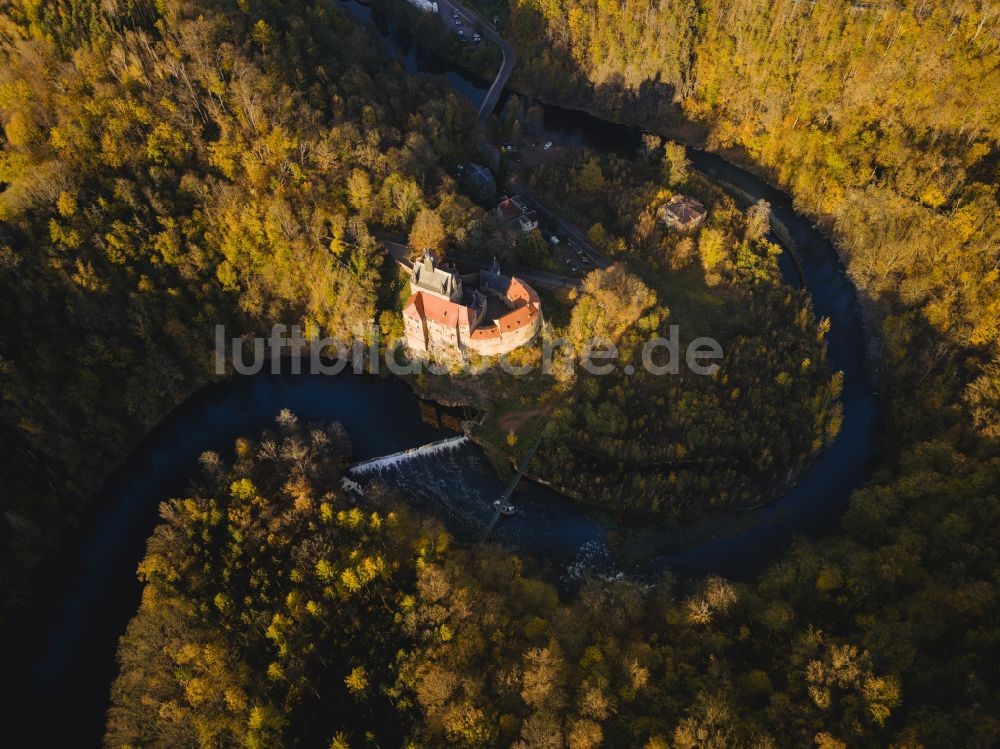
point(476, 38)
point(579, 253)
point(548, 145)
point(458, 21)
point(586, 260)
point(574, 268)
point(553, 239)
point(566, 260)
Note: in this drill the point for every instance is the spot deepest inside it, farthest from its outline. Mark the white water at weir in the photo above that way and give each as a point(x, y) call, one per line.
point(453, 479)
point(394, 460)
point(351, 487)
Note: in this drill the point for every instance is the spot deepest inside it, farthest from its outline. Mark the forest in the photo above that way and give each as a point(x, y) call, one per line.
point(880, 119)
point(166, 166)
point(684, 443)
point(279, 612)
point(166, 169)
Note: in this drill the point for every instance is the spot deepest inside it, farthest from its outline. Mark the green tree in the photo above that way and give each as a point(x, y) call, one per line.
point(428, 232)
point(676, 161)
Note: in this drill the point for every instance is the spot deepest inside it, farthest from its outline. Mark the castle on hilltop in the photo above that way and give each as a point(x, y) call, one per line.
point(445, 319)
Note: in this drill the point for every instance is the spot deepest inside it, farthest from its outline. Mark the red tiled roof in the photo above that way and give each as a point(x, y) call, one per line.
point(509, 209)
point(488, 332)
point(517, 319)
point(414, 306)
point(520, 291)
point(421, 306)
point(430, 307)
point(525, 313)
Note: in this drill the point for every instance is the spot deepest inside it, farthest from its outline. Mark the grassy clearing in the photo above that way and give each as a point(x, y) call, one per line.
point(694, 306)
point(521, 418)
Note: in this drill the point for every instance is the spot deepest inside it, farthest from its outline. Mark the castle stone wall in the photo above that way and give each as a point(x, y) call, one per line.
point(502, 344)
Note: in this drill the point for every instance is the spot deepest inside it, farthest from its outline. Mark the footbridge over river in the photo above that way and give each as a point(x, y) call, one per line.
point(388, 462)
point(501, 504)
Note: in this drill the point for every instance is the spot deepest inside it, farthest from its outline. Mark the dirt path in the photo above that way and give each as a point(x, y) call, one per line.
point(514, 421)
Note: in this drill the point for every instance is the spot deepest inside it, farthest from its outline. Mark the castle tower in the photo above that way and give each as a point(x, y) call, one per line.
point(427, 276)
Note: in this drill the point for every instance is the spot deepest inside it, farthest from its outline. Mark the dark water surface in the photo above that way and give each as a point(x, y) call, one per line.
point(69, 657)
point(68, 663)
point(817, 501)
point(415, 57)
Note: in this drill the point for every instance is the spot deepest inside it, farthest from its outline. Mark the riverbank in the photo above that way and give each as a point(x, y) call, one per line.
point(69, 658)
point(819, 265)
point(695, 138)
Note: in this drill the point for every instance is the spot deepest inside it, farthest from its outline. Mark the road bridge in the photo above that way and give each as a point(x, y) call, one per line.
point(449, 7)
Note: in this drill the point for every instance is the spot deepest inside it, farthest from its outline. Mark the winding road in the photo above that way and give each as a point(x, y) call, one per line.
point(576, 234)
point(66, 662)
point(449, 7)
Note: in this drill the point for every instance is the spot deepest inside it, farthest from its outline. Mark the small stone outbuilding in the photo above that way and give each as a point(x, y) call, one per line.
point(683, 213)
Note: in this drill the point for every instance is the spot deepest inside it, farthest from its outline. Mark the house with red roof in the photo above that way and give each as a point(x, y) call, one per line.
point(515, 213)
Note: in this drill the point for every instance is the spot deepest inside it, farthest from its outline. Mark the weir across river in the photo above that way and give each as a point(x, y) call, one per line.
point(390, 461)
point(432, 448)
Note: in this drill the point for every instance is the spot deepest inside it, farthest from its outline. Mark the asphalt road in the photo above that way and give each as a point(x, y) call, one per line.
point(447, 9)
point(474, 21)
point(579, 238)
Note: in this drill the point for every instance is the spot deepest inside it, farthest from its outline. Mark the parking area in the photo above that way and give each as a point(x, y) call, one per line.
point(570, 259)
point(464, 25)
point(533, 152)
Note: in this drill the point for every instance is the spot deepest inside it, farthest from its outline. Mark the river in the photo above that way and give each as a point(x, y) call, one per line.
point(817, 501)
point(69, 659)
